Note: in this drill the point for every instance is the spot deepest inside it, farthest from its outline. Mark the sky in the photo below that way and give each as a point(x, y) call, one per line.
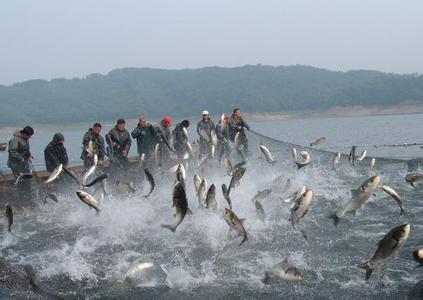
point(65, 39)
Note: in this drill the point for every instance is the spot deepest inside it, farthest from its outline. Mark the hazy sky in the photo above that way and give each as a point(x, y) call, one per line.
point(49, 39)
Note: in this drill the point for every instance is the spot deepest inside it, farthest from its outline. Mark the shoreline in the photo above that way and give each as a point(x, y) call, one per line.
point(334, 112)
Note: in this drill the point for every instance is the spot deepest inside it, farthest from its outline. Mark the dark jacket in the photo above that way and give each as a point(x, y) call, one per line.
point(119, 141)
point(146, 138)
point(97, 139)
point(55, 154)
point(19, 154)
point(179, 138)
point(207, 127)
point(236, 124)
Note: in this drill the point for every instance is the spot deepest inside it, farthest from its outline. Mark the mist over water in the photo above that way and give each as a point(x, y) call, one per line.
point(79, 253)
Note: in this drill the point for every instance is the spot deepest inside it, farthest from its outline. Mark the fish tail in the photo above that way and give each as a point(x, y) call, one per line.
point(267, 278)
point(97, 210)
point(335, 219)
point(172, 228)
point(244, 240)
point(368, 269)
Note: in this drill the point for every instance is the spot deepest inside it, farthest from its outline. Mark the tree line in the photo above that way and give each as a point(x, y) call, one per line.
point(131, 92)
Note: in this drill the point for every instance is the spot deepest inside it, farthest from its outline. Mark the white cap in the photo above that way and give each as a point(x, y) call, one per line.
point(205, 112)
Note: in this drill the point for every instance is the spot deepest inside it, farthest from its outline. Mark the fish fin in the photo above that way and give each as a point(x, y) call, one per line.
point(189, 211)
point(304, 235)
point(366, 266)
point(335, 219)
point(98, 210)
point(172, 228)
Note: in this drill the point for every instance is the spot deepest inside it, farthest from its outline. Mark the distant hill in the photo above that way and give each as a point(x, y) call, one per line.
point(131, 92)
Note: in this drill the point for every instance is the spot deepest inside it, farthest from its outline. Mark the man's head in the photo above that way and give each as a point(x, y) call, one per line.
point(97, 128)
point(167, 122)
point(142, 122)
point(237, 112)
point(185, 123)
point(27, 132)
point(58, 138)
point(205, 115)
point(120, 124)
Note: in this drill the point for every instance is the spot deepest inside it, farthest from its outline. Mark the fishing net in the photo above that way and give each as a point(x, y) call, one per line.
point(282, 151)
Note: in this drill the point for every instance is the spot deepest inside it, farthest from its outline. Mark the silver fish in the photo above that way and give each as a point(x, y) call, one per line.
point(372, 164)
point(412, 178)
point(283, 270)
point(180, 203)
point(391, 192)
point(91, 170)
point(226, 195)
point(211, 201)
point(306, 160)
point(300, 209)
point(390, 245)
point(267, 154)
point(259, 210)
point(56, 172)
point(262, 195)
point(294, 154)
point(235, 223)
point(296, 195)
point(236, 177)
point(150, 179)
point(96, 180)
point(197, 182)
point(213, 138)
point(336, 160)
point(318, 141)
point(359, 197)
point(88, 200)
point(202, 192)
point(145, 274)
point(362, 155)
point(228, 166)
point(8, 215)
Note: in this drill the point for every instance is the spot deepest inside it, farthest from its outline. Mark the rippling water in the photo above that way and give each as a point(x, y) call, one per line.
point(78, 253)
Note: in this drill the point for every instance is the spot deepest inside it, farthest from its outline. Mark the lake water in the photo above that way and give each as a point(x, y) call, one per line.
point(80, 254)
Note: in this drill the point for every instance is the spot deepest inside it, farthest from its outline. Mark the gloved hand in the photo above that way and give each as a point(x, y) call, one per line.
point(239, 127)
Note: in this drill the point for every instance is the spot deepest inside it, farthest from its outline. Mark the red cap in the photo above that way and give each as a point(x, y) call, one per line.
point(226, 118)
point(167, 121)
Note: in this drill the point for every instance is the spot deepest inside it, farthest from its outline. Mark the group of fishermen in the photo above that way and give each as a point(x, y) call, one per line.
point(117, 143)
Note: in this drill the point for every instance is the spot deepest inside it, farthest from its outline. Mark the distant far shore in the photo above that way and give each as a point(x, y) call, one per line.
point(337, 112)
point(334, 112)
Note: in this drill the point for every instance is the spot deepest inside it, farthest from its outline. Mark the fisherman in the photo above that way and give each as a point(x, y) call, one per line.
point(237, 124)
point(55, 153)
point(20, 159)
point(163, 132)
point(180, 139)
point(146, 137)
point(222, 133)
point(119, 141)
point(93, 135)
point(204, 129)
